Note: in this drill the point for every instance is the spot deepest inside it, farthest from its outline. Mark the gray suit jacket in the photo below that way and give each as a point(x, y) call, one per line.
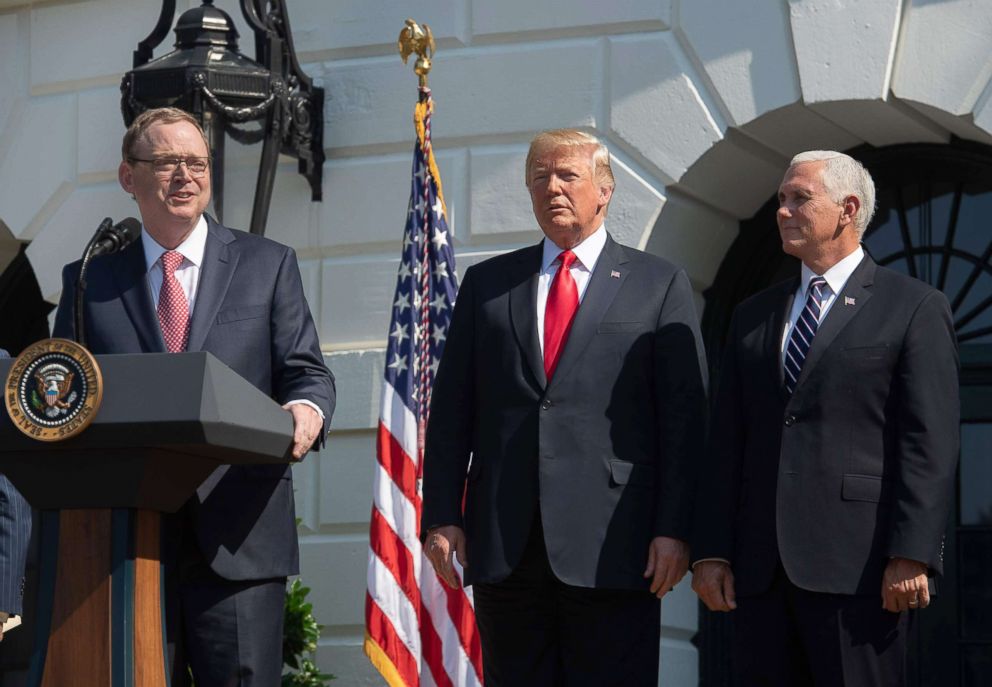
point(15, 534)
point(251, 313)
point(858, 464)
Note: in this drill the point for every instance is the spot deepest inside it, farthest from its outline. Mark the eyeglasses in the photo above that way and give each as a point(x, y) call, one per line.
point(167, 166)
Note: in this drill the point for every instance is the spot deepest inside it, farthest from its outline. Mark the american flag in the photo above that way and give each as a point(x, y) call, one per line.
point(418, 631)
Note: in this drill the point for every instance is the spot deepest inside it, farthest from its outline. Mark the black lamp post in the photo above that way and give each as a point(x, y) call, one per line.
point(208, 77)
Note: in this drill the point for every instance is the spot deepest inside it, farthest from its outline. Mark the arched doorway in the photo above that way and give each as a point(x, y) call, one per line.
point(933, 222)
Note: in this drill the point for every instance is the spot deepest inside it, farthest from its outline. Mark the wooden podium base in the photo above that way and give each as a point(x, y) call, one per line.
point(100, 600)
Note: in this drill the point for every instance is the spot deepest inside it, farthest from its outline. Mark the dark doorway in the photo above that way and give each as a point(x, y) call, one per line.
point(933, 222)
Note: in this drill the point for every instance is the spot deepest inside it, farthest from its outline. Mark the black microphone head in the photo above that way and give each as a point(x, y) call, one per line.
point(129, 229)
point(114, 238)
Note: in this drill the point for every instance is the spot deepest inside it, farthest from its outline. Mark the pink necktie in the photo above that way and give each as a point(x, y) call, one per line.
point(563, 301)
point(173, 308)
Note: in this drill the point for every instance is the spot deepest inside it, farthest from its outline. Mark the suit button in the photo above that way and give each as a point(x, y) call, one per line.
point(546, 404)
point(790, 420)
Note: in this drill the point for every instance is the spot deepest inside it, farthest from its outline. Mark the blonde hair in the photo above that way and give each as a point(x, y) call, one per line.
point(572, 138)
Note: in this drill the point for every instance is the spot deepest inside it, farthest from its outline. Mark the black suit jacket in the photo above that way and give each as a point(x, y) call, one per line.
point(251, 313)
point(15, 536)
point(858, 464)
point(608, 448)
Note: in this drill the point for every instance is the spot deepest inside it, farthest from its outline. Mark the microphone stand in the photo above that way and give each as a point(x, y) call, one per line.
point(79, 327)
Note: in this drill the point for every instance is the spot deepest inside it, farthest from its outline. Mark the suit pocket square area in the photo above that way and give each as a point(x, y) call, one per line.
point(864, 488)
point(615, 327)
point(243, 312)
point(624, 472)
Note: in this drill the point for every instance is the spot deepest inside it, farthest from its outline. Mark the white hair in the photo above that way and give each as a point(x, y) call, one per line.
point(844, 176)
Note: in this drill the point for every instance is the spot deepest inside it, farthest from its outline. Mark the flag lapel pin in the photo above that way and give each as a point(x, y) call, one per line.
point(614, 274)
point(849, 301)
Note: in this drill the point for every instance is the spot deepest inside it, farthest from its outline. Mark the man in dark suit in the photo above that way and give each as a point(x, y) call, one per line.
point(833, 450)
point(15, 535)
point(191, 284)
point(568, 409)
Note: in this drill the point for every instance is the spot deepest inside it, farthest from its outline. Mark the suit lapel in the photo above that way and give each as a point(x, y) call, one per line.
point(216, 272)
point(773, 334)
point(603, 287)
point(523, 304)
point(848, 303)
point(131, 276)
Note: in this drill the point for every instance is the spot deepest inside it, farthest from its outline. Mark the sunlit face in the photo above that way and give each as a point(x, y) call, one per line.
point(569, 203)
point(810, 223)
point(170, 205)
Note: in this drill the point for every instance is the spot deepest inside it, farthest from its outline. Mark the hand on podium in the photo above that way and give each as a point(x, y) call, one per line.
point(307, 425)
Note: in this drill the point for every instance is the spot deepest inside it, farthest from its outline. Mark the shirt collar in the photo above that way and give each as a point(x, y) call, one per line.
point(837, 275)
point(587, 252)
point(192, 248)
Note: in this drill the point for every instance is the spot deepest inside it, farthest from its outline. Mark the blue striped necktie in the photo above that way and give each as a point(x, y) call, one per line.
point(802, 334)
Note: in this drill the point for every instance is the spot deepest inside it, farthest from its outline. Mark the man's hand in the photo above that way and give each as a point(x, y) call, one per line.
point(904, 585)
point(713, 582)
point(441, 543)
point(307, 426)
point(668, 561)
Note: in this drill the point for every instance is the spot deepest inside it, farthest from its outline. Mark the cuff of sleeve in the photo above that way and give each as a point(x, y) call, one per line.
point(704, 560)
point(311, 404)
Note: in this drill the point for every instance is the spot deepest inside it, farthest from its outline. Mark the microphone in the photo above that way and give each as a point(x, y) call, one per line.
point(111, 239)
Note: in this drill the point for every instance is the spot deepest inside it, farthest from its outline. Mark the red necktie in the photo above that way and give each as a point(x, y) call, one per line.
point(173, 308)
point(563, 301)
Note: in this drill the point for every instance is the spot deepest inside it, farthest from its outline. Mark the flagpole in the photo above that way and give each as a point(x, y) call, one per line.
point(417, 629)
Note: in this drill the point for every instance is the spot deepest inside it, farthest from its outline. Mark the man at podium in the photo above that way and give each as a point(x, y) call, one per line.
point(191, 284)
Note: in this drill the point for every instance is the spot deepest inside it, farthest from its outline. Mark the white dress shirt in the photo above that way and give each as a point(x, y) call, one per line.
point(587, 255)
point(836, 277)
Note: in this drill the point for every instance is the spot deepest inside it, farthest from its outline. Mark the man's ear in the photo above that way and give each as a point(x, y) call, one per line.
point(605, 193)
point(851, 205)
point(125, 175)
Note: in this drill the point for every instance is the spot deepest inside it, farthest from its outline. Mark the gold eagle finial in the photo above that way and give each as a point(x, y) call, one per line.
point(417, 38)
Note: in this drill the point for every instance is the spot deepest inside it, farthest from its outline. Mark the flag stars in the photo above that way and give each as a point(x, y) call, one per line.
point(442, 270)
point(400, 332)
point(435, 361)
point(438, 208)
point(439, 334)
point(399, 363)
point(440, 239)
point(402, 301)
point(404, 273)
point(439, 303)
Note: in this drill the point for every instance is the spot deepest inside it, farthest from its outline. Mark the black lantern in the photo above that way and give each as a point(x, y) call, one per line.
point(208, 77)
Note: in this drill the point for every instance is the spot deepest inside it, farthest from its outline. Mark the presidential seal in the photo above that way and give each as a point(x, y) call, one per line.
point(53, 390)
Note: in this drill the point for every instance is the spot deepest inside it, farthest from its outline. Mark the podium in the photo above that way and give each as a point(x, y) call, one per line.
point(165, 423)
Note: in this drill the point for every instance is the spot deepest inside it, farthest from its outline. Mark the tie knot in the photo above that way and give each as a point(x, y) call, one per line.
point(171, 260)
point(567, 257)
point(816, 283)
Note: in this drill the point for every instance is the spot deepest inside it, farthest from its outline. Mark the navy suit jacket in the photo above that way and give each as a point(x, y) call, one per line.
point(250, 312)
point(858, 464)
point(605, 451)
point(15, 534)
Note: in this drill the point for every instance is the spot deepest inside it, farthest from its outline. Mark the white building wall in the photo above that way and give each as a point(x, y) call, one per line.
point(701, 101)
